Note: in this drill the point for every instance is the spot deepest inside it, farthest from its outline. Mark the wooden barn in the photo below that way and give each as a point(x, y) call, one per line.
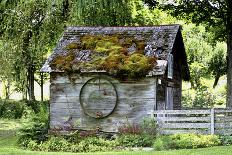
point(102, 77)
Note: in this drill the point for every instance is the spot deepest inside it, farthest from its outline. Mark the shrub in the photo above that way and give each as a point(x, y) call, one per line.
point(185, 141)
point(35, 126)
point(146, 126)
point(93, 144)
point(149, 126)
point(226, 140)
point(130, 129)
point(201, 97)
point(12, 109)
point(162, 143)
point(56, 144)
point(59, 143)
point(132, 140)
point(137, 135)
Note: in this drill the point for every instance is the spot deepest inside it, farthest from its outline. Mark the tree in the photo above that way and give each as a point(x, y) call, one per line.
point(28, 29)
point(217, 64)
point(215, 14)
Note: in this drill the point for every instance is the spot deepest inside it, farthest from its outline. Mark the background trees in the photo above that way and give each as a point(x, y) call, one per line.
point(29, 30)
point(216, 15)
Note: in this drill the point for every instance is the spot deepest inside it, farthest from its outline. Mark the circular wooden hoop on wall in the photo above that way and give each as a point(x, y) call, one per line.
point(98, 97)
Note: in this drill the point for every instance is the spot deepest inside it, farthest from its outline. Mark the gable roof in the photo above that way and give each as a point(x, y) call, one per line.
point(158, 40)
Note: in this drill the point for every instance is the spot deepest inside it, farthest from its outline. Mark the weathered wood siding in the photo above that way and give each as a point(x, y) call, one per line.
point(175, 82)
point(210, 121)
point(135, 98)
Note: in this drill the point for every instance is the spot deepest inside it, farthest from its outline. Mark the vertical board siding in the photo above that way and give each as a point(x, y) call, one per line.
point(135, 98)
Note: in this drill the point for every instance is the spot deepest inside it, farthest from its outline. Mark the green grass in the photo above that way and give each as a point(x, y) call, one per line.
point(6, 124)
point(8, 146)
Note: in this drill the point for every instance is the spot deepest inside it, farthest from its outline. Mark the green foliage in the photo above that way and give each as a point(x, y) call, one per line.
point(136, 140)
point(89, 144)
point(226, 140)
point(137, 135)
point(29, 30)
point(200, 12)
point(197, 71)
point(146, 126)
point(35, 126)
point(217, 63)
point(186, 141)
point(162, 143)
point(93, 144)
point(109, 53)
point(102, 12)
point(202, 98)
point(12, 109)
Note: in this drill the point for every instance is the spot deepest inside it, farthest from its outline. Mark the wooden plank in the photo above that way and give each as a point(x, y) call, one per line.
point(187, 112)
point(123, 104)
point(223, 125)
point(135, 90)
point(64, 99)
point(223, 132)
point(218, 111)
point(82, 78)
point(184, 125)
point(62, 78)
point(212, 124)
point(135, 98)
point(184, 119)
point(64, 112)
point(124, 90)
point(64, 105)
point(130, 110)
point(169, 132)
point(223, 119)
point(65, 90)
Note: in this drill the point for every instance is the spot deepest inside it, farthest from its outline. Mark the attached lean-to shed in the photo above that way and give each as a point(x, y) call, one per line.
point(102, 77)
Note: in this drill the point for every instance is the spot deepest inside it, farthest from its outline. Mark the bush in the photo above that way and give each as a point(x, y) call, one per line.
point(35, 126)
point(202, 97)
point(147, 126)
point(59, 143)
point(93, 144)
point(133, 140)
point(185, 141)
point(55, 144)
point(12, 109)
point(226, 140)
point(137, 135)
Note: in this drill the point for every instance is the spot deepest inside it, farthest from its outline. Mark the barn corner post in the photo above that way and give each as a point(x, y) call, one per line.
point(229, 54)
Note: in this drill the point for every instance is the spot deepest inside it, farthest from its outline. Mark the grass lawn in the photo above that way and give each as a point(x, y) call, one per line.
point(8, 146)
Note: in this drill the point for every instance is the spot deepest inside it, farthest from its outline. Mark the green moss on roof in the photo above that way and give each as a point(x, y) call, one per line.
point(119, 56)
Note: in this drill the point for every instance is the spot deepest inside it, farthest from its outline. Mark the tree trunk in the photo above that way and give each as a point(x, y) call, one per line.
point(216, 81)
point(31, 80)
point(7, 89)
point(41, 85)
point(229, 54)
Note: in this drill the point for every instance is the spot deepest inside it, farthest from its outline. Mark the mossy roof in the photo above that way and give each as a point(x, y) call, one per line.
point(158, 41)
